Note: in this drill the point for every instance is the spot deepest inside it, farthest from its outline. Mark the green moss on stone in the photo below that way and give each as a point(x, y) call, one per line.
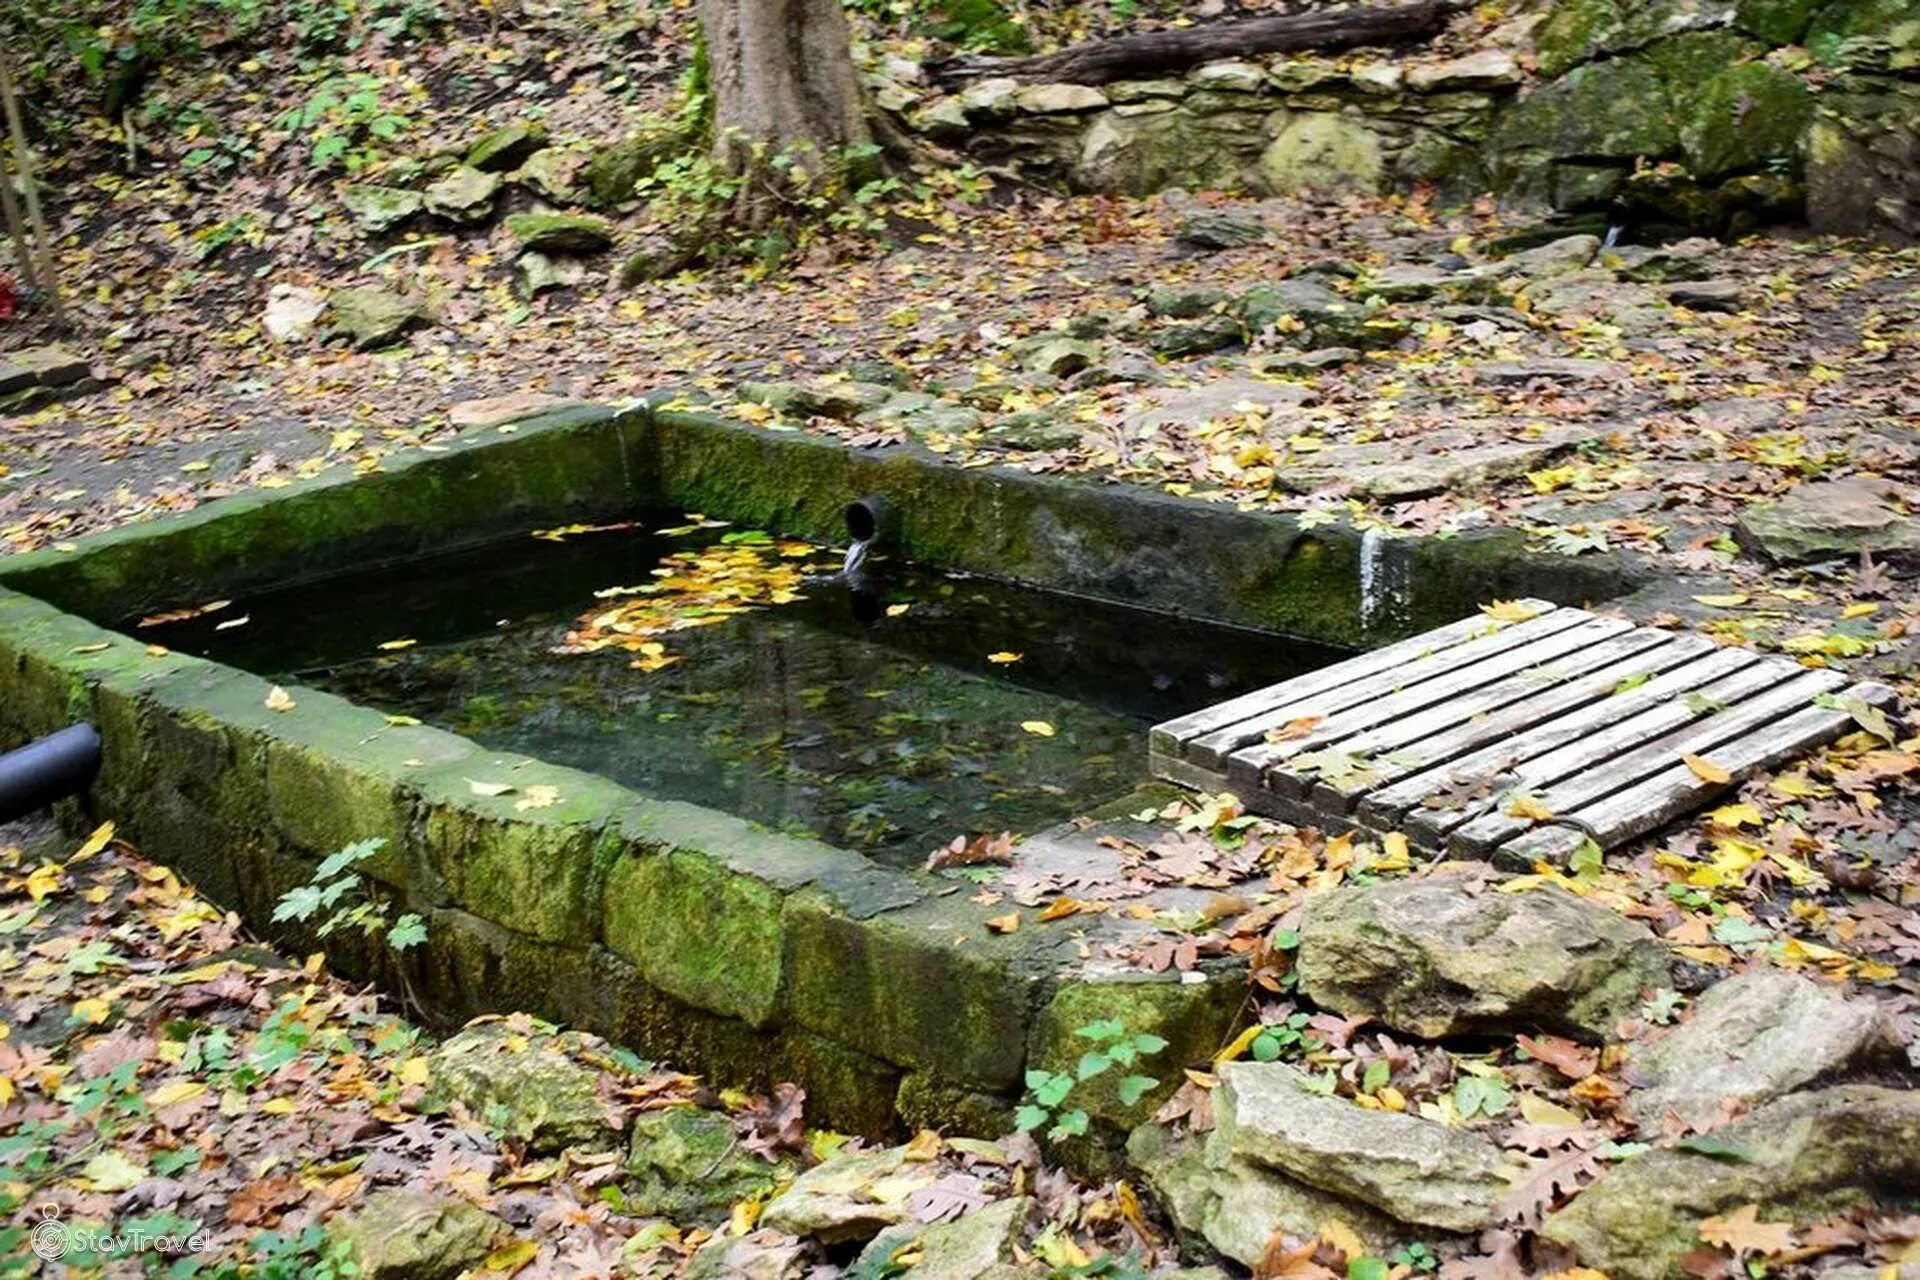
point(535, 869)
point(1775, 21)
point(1192, 1018)
point(1571, 33)
point(1745, 118)
point(926, 987)
point(700, 932)
point(1615, 109)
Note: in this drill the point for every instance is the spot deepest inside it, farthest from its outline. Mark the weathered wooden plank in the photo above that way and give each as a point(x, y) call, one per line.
point(1212, 749)
point(1167, 737)
point(1498, 710)
point(1262, 767)
point(1609, 771)
point(1663, 796)
point(1383, 809)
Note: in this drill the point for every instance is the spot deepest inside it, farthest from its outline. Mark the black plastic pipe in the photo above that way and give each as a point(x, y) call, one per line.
point(52, 768)
point(871, 520)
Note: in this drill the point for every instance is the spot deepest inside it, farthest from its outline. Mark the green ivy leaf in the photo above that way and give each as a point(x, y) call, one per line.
point(1029, 1117)
point(1071, 1125)
point(408, 931)
point(1134, 1088)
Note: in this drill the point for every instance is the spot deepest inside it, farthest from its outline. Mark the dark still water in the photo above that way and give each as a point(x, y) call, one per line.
point(936, 706)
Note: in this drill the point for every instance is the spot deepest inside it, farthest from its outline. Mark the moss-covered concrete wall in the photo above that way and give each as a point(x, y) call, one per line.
point(1707, 115)
point(683, 931)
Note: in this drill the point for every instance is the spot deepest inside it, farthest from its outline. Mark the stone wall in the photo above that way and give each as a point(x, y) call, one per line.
point(1702, 115)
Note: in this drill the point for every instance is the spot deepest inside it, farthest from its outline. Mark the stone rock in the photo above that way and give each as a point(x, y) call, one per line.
point(1744, 117)
point(374, 317)
point(1428, 957)
point(1380, 78)
point(1828, 519)
point(944, 117)
point(1555, 258)
point(292, 311)
point(1550, 368)
point(1284, 362)
point(1057, 357)
point(416, 1235)
point(610, 172)
point(1322, 152)
point(764, 1255)
point(1682, 260)
point(540, 274)
point(551, 172)
point(1324, 317)
point(1750, 1039)
point(1454, 459)
point(1806, 1156)
point(1194, 406)
point(1125, 91)
point(1183, 302)
point(40, 367)
point(1033, 431)
point(464, 195)
point(1057, 99)
point(1180, 340)
point(1635, 309)
point(1228, 77)
point(836, 1200)
point(494, 411)
point(963, 1249)
point(500, 150)
point(687, 1165)
point(1406, 282)
point(990, 99)
point(819, 398)
point(1482, 69)
point(1615, 110)
point(528, 1085)
point(1233, 1205)
point(377, 210)
point(1414, 1170)
point(1210, 230)
point(1707, 295)
point(560, 232)
point(653, 257)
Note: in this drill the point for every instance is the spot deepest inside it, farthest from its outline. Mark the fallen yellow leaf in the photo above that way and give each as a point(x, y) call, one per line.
point(1706, 770)
point(1004, 657)
point(279, 699)
point(1038, 728)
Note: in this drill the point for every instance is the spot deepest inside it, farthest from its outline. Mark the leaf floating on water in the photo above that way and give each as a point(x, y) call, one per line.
point(394, 646)
point(231, 623)
point(181, 615)
point(895, 610)
point(1038, 728)
point(489, 788)
point(279, 699)
point(1004, 657)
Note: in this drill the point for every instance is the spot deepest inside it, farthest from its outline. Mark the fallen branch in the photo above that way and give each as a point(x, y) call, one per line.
point(1153, 52)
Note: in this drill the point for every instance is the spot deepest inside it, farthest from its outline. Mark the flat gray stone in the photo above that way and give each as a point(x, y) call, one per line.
point(1828, 519)
point(1057, 357)
point(763, 1255)
point(1550, 368)
point(1707, 295)
point(377, 209)
point(1556, 257)
point(374, 317)
point(963, 1249)
point(40, 367)
point(1210, 230)
point(1450, 460)
point(534, 1088)
point(1804, 1157)
point(819, 397)
point(1304, 361)
point(1482, 69)
point(835, 1201)
point(464, 195)
point(1750, 1039)
point(1192, 406)
point(1429, 957)
point(1414, 1170)
point(1057, 99)
point(416, 1235)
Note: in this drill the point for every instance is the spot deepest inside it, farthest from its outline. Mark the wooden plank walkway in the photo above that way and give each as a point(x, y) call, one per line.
point(1516, 738)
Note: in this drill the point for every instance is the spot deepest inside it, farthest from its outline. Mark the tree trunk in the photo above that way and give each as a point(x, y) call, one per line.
point(1155, 52)
point(781, 77)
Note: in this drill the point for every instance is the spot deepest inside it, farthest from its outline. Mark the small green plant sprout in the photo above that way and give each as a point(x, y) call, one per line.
point(1288, 1038)
point(1048, 1091)
point(1416, 1256)
point(340, 892)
